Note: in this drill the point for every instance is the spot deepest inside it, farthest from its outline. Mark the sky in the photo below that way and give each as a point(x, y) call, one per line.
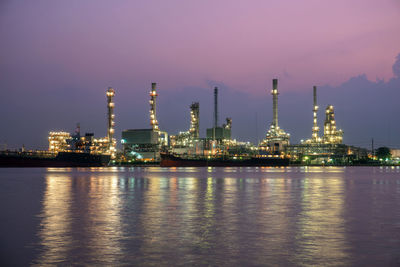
point(57, 58)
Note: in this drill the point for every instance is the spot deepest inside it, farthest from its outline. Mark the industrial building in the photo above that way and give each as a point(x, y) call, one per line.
point(63, 141)
point(185, 139)
point(58, 141)
point(141, 144)
point(329, 154)
point(327, 149)
point(217, 141)
point(331, 134)
point(189, 143)
point(217, 132)
point(146, 144)
point(276, 138)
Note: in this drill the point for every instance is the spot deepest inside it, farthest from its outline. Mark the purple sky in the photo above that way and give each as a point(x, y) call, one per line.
point(58, 57)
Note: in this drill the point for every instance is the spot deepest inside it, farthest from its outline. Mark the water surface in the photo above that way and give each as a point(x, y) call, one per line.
point(332, 216)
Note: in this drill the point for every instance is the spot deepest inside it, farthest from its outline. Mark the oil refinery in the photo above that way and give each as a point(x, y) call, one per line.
point(186, 148)
point(152, 145)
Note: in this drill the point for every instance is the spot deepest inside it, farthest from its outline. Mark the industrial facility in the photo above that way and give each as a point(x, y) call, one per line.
point(147, 145)
point(186, 142)
point(276, 138)
point(217, 132)
point(327, 149)
point(65, 142)
point(58, 141)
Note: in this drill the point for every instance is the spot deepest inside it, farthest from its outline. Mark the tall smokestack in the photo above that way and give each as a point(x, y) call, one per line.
point(215, 107)
point(275, 94)
point(315, 129)
point(315, 95)
point(110, 125)
point(153, 99)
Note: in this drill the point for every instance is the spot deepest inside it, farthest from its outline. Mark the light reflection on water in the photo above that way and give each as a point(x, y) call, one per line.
point(56, 220)
point(217, 216)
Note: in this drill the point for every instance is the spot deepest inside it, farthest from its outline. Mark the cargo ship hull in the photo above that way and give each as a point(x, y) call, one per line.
point(62, 159)
point(168, 160)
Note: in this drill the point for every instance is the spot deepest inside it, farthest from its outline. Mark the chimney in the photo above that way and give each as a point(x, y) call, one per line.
point(275, 102)
point(215, 107)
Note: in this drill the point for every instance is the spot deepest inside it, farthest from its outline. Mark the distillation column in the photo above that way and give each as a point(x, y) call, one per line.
point(194, 120)
point(315, 130)
point(331, 134)
point(110, 129)
point(153, 97)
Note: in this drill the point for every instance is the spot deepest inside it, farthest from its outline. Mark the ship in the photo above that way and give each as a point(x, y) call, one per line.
point(46, 159)
point(171, 160)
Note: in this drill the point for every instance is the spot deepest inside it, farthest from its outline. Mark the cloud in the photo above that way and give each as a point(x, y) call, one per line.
point(396, 66)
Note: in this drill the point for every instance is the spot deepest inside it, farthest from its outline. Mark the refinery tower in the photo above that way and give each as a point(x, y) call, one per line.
point(194, 120)
point(276, 138)
point(331, 134)
point(112, 143)
point(153, 99)
point(315, 139)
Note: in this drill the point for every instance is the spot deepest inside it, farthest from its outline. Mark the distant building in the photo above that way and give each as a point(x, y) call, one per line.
point(395, 153)
point(219, 133)
point(325, 153)
point(146, 144)
point(141, 144)
point(89, 144)
point(58, 141)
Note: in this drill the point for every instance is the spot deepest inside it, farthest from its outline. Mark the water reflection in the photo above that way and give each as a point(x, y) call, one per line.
point(321, 227)
point(207, 216)
point(103, 228)
point(80, 220)
point(56, 220)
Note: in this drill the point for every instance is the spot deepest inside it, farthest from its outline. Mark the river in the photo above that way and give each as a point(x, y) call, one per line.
point(292, 216)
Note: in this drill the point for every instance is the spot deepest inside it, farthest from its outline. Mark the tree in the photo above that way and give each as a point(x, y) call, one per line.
point(383, 153)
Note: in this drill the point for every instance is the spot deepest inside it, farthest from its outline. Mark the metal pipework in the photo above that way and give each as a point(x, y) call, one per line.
point(275, 94)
